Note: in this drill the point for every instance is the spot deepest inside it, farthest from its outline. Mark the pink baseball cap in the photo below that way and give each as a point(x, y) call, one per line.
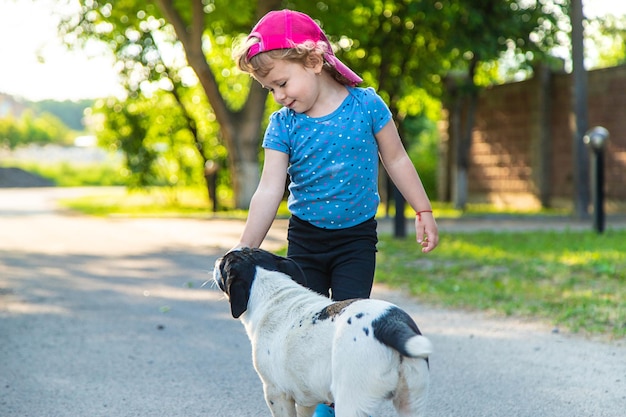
point(283, 29)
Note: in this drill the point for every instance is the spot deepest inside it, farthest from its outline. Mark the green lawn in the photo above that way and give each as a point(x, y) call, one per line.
point(576, 280)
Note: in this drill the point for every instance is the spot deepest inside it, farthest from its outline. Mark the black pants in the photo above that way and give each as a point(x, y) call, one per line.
point(337, 262)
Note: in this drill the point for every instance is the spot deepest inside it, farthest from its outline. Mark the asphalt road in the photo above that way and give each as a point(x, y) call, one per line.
point(108, 317)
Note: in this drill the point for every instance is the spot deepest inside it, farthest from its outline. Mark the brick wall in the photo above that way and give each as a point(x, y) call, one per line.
point(522, 139)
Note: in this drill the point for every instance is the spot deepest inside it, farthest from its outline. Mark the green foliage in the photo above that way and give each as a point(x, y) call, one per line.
point(605, 41)
point(143, 129)
point(10, 133)
point(149, 54)
point(403, 48)
point(29, 129)
point(572, 279)
point(155, 138)
point(422, 135)
point(125, 129)
point(165, 126)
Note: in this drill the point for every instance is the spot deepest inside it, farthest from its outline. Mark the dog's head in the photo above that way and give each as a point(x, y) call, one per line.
point(235, 272)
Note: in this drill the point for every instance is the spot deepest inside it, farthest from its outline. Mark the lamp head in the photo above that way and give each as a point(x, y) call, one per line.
point(596, 138)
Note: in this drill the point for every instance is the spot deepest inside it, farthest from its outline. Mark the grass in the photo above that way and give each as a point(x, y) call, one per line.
point(193, 202)
point(152, 202)
point(576, 280)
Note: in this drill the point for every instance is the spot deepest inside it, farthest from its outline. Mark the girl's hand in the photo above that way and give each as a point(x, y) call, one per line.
point(426, 231)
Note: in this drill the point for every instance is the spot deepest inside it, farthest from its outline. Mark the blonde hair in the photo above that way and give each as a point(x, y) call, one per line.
point(305, 53)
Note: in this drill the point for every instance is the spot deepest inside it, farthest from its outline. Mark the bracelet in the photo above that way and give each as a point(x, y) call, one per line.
point(418, 214)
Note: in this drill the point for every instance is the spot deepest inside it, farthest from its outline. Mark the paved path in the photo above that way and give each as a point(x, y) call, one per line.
point(108, 317)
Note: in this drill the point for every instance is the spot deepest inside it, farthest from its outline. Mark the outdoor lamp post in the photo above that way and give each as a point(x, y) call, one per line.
point(596, 139)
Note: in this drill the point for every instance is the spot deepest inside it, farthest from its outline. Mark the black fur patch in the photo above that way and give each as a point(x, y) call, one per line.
point(394, 327)
point(238, 269)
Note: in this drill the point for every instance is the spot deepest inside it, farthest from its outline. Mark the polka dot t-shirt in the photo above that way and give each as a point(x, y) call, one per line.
point(333, 160)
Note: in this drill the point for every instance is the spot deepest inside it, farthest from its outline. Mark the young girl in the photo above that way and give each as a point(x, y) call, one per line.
point(327, 137)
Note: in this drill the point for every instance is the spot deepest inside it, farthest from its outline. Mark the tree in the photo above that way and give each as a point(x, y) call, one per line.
point(154, 135)
point(606, 35)
point(10, 133)
point(580, 156)
point(30, 129)
point(142, 34)
point(205, 34)
point(404, 48)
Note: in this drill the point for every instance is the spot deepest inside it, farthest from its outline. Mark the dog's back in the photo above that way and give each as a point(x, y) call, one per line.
point(379, 353)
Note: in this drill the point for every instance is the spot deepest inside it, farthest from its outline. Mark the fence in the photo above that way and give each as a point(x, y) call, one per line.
point(522, 141)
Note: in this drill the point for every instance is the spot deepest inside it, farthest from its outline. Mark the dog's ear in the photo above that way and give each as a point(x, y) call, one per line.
point(238, 295)
point(239, 274)
point(291, 268)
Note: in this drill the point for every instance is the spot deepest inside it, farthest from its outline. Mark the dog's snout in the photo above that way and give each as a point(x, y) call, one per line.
point(217, 274)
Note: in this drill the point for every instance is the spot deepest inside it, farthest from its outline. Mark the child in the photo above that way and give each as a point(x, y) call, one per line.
point(327, 137)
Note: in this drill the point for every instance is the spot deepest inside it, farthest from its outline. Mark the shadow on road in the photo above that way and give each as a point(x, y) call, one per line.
point(118, 336)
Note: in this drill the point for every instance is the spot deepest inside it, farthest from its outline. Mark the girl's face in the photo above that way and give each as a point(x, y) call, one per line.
point(293, 84)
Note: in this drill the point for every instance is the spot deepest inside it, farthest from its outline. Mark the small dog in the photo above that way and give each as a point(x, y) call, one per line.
point(308, 349)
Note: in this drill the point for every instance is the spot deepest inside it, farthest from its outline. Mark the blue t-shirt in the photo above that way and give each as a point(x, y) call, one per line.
point(333, 160)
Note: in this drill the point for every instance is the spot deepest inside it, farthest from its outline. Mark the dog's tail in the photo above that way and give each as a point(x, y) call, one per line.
point(417, 347)
point(396, 329)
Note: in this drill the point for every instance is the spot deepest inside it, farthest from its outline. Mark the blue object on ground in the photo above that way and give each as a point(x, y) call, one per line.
point(324, 410)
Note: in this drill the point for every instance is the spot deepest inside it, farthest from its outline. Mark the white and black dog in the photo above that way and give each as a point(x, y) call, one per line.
point(308, 349)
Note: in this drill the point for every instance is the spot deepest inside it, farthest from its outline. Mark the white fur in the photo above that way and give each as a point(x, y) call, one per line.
point(305, 361)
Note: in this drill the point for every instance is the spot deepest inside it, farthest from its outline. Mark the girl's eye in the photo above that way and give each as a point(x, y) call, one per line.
point(280, 85)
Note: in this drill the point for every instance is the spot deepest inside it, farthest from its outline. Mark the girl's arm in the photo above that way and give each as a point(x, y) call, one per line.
point(405, 177)
point(266, 199)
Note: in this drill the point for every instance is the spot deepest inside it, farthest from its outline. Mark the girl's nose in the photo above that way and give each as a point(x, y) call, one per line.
point(279, 96)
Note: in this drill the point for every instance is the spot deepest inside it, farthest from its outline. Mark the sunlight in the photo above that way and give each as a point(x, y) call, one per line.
point(578, 258)
point(24, 307)
point(41, 67)
point(595, 8)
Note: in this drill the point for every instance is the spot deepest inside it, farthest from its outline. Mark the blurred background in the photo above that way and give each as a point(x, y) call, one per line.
point(144, 95)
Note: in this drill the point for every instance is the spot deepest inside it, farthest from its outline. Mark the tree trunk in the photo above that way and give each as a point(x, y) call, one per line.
point(464, 145)
point(580, 123)
point(463, 101)
point(239, 130)
point(243, 143)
